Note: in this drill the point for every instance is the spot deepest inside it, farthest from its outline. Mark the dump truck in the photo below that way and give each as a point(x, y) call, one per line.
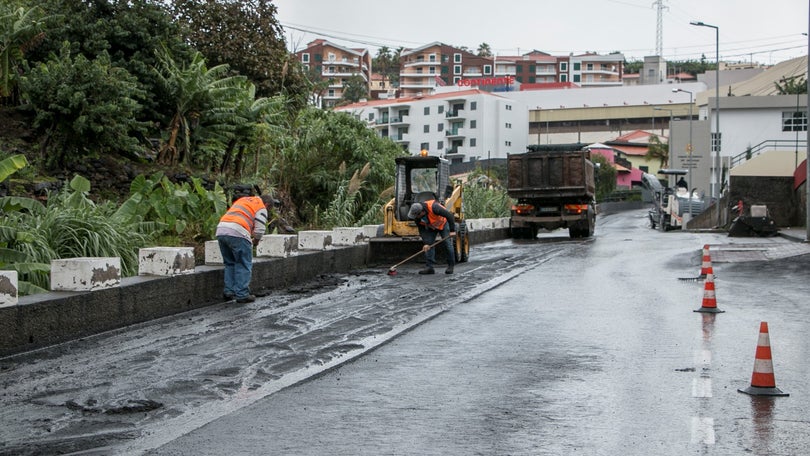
point(418, 179)
point(673, 205)
point(554, 187)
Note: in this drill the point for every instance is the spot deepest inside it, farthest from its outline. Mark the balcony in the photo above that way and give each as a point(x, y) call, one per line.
point(416, 63)
point(400, 120)
point(455, 133)
point(401, 138)
point(455, 152)
point(456, 114)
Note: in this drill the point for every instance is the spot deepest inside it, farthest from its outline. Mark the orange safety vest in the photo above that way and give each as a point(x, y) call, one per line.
point(434, 221)
point(244, 212)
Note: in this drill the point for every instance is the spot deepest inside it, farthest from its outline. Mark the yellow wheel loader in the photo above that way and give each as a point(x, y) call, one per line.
point(419, 179)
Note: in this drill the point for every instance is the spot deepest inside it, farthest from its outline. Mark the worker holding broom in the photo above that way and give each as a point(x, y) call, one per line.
point(433, 219)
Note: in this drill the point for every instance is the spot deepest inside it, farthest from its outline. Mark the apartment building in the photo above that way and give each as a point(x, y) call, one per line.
point(436, 64)
point(587, 70)
point(462, 126)
point(335, 65)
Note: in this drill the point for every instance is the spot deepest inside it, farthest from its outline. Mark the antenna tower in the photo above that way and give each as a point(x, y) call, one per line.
point(659, 28)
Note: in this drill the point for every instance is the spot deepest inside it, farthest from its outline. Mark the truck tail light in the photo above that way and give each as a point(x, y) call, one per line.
point(576, 208)
point(523, 209)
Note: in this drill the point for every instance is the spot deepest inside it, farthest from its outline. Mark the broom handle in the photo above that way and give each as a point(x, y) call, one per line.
point(417, 253)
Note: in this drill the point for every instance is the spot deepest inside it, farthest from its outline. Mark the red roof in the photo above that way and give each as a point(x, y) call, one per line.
point(548, 85)
point(681, 76)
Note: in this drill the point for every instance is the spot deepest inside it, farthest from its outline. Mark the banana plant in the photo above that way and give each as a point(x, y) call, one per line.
point(13, 231)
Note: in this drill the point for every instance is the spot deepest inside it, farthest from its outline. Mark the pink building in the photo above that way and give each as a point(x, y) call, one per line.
point(626, 174)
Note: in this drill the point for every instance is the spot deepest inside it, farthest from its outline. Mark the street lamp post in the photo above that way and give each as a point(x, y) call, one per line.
point(716, 142)
point(688, 148)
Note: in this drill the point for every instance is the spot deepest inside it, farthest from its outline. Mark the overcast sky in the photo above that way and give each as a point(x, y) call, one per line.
point(765, 31)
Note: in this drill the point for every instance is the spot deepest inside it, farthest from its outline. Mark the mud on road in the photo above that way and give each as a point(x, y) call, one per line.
point(134, 389)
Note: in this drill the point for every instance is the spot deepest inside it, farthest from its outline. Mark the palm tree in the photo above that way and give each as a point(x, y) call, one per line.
point(484, 50)
point(656, 150)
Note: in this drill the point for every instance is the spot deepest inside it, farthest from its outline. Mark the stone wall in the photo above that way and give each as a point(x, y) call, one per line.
point(774, 192)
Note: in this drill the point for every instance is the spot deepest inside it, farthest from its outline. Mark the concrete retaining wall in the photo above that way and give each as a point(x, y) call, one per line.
point(51, 318)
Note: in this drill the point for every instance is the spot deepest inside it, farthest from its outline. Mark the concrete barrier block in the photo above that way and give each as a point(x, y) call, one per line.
point(85, 273)
point(213, 255)
point(166, 261)
point(314, 240)
point(8, 288)
point(372, 231)
point(347, 236)
point(277, 245)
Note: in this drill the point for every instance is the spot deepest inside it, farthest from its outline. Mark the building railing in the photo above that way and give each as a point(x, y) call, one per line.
point(764, 146)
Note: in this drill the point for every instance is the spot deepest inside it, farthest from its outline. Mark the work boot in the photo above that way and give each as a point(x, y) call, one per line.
point(427, 271)
point(449, 270)
point(248, 298)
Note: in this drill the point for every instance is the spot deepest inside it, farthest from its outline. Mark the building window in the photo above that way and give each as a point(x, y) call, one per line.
point(426, 129)
point(487, 69)
point(473, 105)
point(432, 58)
point(508, 143)
point(564, 67)
point(305, 58)
point(441, 109)
point(371, 117)
point(508, 125)
point(577, 66)
point(456, 79)
point(589, 66)
point(563, 78)
point(508, 107)
point(456, 69)
point(457, 58)
point(440, 145)
point(473, 123)
point(427, 110)
point(424, 146)
point(577, 78)
point(794, 121)
point(440, 127)
point(472, 142)
point(331, 57)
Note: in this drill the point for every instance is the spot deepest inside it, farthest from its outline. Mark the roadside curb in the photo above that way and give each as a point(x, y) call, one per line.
point(47, 319)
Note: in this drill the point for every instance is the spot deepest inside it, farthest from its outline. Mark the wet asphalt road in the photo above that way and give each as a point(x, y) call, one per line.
point(550, 346)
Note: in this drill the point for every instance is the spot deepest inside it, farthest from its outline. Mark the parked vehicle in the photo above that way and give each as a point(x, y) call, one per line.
point(554, 187)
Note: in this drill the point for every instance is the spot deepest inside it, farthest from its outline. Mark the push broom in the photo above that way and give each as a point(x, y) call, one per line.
point(393, 270)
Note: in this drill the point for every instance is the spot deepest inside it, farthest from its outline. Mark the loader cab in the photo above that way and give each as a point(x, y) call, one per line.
point(420, 179)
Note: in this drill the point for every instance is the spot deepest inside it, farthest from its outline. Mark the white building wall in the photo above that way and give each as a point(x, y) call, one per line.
point(744, 128)
point(492, 136)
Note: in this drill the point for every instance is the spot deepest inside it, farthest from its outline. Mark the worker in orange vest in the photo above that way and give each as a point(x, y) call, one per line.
point(433, 219)
point(238, 231)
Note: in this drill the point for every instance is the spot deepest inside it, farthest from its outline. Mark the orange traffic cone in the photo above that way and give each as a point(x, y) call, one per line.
point(709, 299)
point(763, 382)
point(706, 263)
